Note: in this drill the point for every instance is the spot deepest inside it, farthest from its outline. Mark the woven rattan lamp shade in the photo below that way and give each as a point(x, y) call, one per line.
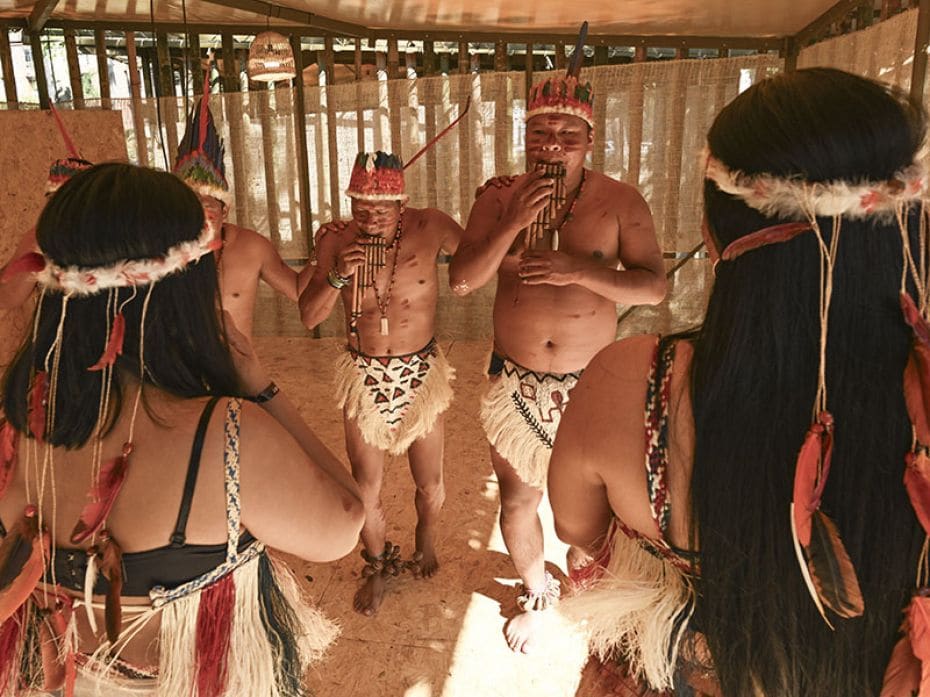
point(271, 58)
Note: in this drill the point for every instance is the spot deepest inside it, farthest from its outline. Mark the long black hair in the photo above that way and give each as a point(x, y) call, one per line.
point(754, 378)
point(102, 215)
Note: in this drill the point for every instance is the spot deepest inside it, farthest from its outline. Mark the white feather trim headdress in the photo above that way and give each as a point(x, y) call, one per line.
point(794, 198)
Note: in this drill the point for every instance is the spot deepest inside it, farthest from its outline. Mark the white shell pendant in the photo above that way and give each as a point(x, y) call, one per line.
point(385, 330)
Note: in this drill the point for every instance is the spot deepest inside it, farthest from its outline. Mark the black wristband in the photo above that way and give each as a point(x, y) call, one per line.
point(267, 394)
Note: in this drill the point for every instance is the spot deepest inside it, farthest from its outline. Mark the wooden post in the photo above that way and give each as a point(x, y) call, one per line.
point(333, 144)
point(103, 68)
point(271, 190)
point(921, 41)
point(464, 58)
point(500, 56)
point(194, 64)
point(142, 153)
point(601, 56)
point(146, 55)
point(393, 59)
point(790, 54)
point(393, 102)
point(560, 56)
point(38, 62)
point(359, 111)
point(429, 58)
point(230, 73)
point(635, 117)
point(300, 131)
point(9, 77)
point(167, 95)
point(74, 70)
point(673, 155)
point(528, 68)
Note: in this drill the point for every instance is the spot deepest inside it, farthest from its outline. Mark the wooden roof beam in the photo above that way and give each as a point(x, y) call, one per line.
point(324, 27)
point(836, 13)
point(288, 14)
point(41, 11)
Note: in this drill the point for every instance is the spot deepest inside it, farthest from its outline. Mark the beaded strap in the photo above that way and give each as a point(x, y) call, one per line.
point(656, 416)
point(231, 462)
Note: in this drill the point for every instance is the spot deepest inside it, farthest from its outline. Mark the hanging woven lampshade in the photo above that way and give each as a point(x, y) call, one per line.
point(271, 58)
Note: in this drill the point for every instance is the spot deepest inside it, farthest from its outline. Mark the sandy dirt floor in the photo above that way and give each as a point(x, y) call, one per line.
point(437, 637)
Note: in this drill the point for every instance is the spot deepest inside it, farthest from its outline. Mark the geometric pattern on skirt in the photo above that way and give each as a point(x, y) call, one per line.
point(395, 400)
point(521, 412)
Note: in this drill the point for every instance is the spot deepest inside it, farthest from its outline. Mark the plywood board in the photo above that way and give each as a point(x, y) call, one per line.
point(31, 142)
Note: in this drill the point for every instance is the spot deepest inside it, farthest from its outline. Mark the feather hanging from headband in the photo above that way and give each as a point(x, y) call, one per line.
point(102, 496)
point(23, 556)
point(825, 564)
point(37, 405)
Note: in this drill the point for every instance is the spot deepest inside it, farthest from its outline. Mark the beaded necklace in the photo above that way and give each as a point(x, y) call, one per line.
point(554, 243)
point(383, 305)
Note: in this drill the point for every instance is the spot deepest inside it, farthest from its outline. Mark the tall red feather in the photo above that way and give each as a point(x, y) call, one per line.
point(102, 496)
point(65, 136)
point(214, 630)
point(114, 345)
point(30, 262)
point(23, 556)
point(7, 454)
point(918, 624)
point(38, 401)
point(902, 676)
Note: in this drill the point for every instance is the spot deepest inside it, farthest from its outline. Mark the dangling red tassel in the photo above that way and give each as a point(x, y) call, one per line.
point(23, 555)
point(214, 630)
point(7, 455)
point(918, 631)
point(11, 637)
point(37, 406)
point(111, 566)
point(102, 496)
point(114, 345)
point(30, 262)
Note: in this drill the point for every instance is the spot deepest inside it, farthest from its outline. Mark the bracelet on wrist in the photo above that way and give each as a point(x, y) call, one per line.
point(336, 280)
point(267, 394)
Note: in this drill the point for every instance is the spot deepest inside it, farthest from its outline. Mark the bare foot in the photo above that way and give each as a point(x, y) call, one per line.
point(428, 563)
point(521, 630)
point(368, 598)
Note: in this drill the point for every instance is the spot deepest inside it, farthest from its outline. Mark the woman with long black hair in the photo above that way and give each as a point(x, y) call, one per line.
point(146, 461)
point(677, 463)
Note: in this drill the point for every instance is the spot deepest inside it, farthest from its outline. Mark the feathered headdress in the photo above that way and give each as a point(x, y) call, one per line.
point(564, 95)
point(379, 176)
point(200, 153)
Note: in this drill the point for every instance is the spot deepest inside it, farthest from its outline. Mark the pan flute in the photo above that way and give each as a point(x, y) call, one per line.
point(543, 223)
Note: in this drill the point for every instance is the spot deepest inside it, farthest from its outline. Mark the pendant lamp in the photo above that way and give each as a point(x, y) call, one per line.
point(271, 58)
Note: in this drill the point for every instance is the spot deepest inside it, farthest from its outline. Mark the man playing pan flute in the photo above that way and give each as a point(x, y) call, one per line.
point(392, 382)
point(565, 253)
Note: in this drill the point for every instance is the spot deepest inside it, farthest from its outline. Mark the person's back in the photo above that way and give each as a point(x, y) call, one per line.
point(692, 446)
point(205, 480)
